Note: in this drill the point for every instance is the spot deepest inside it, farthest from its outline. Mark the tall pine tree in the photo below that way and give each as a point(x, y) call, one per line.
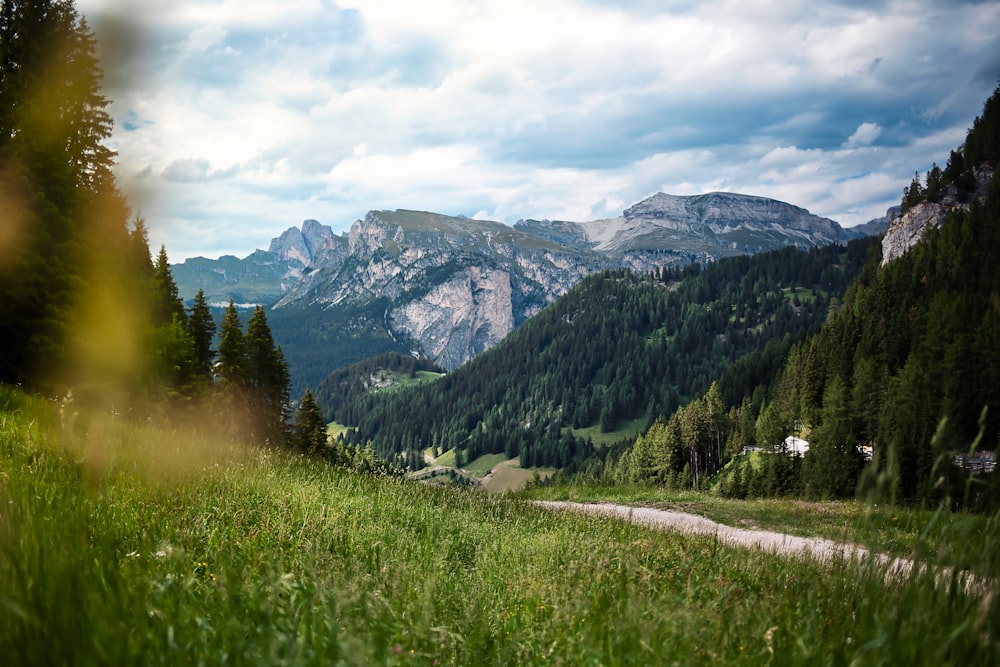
point(201, 327)
point(267, 378)
point(232, 349)
point(167, 304)
point(64, 221)
point(309, 433)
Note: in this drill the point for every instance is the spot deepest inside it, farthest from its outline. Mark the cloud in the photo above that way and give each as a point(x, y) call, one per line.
point(240, 118)
point(865, 135)
point(189, 170)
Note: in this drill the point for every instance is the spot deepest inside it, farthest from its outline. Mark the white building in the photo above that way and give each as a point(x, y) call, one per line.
point(796, 446)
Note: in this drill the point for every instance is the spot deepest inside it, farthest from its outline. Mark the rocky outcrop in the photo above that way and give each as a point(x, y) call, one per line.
point(467, 314)
point(669, 230)
point(451, 287)
point(301, 244)
point(907, 230)
point(262, 277)
point(448, 288)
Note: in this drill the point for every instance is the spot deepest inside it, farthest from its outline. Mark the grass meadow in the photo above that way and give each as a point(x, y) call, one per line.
point(123, 544)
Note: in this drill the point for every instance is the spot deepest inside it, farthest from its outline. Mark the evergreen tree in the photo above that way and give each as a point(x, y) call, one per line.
point(309, 432)
point(832, 467)
point(201, 327)
point(53, 117)
point(232, 367)
point(267, 377)
point(173, 355)
point(64, 219)
point(167, 301)
point(138, 257)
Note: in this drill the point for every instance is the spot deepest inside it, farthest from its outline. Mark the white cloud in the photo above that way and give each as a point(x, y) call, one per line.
point(865, 135)
point(247, 117)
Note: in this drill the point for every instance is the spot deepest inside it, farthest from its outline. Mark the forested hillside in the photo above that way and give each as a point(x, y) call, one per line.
point(617, 347)
point(86, 313)
point(391, 369)
point(908, 369)
point(63, 242)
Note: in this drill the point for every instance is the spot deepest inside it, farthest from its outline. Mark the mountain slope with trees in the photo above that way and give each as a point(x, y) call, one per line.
point(617, 347)
point(63, 218)
point(86, 313)
point(907, 369)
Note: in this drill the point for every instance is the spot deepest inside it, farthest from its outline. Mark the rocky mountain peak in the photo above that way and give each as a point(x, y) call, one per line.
point(447, 288)
point(906, 230)
point(670, 228)
point(301, 244)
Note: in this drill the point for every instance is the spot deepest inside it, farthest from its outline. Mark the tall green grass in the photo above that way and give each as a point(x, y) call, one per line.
point(933, 536)
point(125, 544)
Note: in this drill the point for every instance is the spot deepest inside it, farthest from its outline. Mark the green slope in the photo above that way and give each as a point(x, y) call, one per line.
point(170, 547)
point(616, 348)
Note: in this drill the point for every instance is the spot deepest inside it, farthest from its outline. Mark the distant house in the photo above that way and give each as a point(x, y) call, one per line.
point(793, 447)
point(796, 446)
point(980, 462)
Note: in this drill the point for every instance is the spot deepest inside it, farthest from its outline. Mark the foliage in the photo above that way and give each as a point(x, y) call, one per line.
point(253, 377)
point(172, 548)
point(201, 326)
point(320, 341)
point(617, 347)
point(63, 219)
point(309, 433)
point(357, 379)
point(907, 366)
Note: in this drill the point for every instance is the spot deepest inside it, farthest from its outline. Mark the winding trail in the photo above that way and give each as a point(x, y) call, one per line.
point(780, 544)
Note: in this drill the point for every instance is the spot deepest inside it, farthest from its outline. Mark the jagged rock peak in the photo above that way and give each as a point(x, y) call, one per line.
point(301, 245)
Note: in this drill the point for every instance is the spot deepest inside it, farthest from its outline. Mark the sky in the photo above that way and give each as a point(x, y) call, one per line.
point(236, 119)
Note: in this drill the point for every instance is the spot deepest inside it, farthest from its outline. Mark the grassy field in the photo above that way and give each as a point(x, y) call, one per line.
point(126, 544)
point(508, 476)
point(626, 429)
point(968, 541)
point(334, 430)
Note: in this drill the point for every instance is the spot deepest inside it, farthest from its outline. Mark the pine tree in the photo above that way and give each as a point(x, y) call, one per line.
point(309, 432)
point(201, 327)
point(64, 219)
point(267, 377)
point(168, 304)
point(832, 467)
point(232, 367)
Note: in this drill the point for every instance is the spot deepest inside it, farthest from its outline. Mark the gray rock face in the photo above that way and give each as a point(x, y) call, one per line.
point(907, 230)
point(713, 225)
point(260, 278)
point(668, 230)
point(449, 288)
point(301, 245)
point(459, 318)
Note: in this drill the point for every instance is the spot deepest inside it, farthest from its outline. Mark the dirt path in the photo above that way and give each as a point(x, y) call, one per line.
point(777, 543)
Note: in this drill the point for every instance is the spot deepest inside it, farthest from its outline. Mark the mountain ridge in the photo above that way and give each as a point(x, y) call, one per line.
point(449, 287)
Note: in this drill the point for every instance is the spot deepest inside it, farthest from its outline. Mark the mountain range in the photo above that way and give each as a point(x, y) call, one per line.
point(447, 288)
